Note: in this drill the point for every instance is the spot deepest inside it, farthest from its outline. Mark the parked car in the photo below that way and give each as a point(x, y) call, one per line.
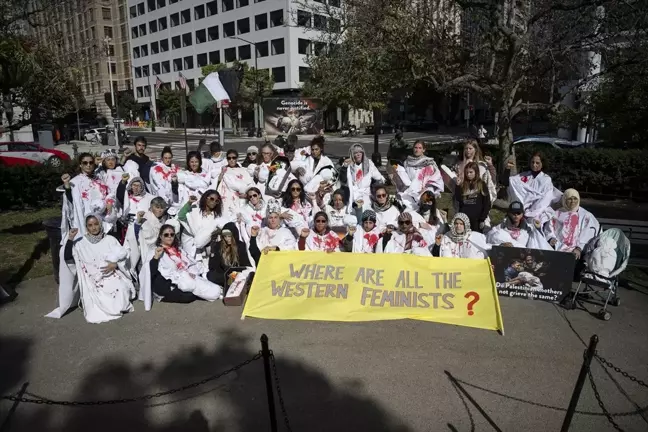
point(92, 133)
point(384, 128)
point(26, 153)
point(541, 142)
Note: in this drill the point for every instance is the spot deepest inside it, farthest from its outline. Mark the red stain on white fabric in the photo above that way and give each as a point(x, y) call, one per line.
point(371, 239)
point(524, 179)
point(358, 176)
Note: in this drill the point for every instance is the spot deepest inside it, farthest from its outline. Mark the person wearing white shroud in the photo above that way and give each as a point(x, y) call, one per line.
point(150, 223)
point(97, 274)
point(419, 173)
point(201, 223)
point(461, 242)
point(514, 231)
point(273, 236)
point(234, 181)
point(358, 172)
point(571, 227)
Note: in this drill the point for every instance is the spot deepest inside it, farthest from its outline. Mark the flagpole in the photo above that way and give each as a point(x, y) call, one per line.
point(221, 134)
point(151, 103)
point(183, 114)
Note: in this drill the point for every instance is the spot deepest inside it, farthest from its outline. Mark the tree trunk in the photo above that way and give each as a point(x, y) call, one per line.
point(504, 136)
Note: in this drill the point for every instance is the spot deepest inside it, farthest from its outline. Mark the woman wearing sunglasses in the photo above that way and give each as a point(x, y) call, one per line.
point(515, 231)
point(261, 169)
point(320, 238)
point(175, 276)
point(233, 182)
point(86, 194)
point(253, 211)
point(363, 238)
point(250, 156)
point(460, 241)
point(296, 207)
point(193, 180)
point(201, 223)
point(227, 252)
point(386, 209)
point(407, 239)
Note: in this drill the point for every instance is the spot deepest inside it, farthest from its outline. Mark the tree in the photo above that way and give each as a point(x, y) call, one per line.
point(169, 102)
point(255, 85)
point(504, 51)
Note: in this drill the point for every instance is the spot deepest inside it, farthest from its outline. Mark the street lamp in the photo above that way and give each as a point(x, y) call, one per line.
point(107, 41)
point(256, 83)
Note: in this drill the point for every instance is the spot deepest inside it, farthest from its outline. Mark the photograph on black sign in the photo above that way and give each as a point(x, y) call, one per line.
point(532, 273)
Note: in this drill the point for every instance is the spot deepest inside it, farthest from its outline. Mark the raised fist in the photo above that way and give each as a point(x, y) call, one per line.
point(193, 199)
point(128, 152)
point(174, 178)
point(304, 232)
point(65, 178)
point(254, 231)
point(125, 177)
point(73, 232)
point(140, 215)
point(158, 252)
point(437, 239)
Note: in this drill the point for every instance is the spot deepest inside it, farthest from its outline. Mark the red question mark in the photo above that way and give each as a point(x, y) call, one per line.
point(471, 303)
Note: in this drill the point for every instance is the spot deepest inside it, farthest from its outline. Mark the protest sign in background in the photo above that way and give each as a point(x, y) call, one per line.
point(371, 287)
point(532, 273)
point(293, 115)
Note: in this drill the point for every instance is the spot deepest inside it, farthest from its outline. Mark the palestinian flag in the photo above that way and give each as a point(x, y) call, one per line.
point(209, 93)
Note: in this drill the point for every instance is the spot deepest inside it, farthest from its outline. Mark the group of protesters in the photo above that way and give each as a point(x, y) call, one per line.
point(135, 228)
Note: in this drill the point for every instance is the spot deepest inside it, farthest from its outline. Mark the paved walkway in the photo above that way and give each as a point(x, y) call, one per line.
point(379, 376)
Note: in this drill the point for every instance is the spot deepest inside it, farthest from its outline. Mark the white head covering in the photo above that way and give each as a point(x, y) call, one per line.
point(108, 153)
point(252, 149)
point(453, 232)
point(273, 207)
point(570, 193)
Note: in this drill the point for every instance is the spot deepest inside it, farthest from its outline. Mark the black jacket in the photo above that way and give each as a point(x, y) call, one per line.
point(217, 268)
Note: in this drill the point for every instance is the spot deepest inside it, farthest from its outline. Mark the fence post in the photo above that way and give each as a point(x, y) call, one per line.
point(573, 403)
point(4, 427)
point(265, 353)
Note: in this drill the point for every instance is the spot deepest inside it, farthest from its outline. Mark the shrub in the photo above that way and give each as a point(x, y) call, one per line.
point(23, 187)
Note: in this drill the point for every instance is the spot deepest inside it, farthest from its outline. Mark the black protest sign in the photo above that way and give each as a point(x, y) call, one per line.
point(532, 273)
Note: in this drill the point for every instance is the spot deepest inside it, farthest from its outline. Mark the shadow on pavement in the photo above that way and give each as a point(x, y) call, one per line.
point(235, 402)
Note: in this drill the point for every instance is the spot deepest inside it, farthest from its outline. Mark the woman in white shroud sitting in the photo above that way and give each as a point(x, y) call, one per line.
point(461, 241)
point(535, 190)
point(406, 240)
point(98, 274)
point(571, 227)
point(358, 172)
point(420, 173)
point(515, 231)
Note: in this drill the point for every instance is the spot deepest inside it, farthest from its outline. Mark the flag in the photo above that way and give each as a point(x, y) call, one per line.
point(183, 81)
point(158, 83)
point(209, 92)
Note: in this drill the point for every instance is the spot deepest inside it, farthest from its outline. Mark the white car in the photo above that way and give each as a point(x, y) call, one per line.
point(540, 142)
point(90, 134)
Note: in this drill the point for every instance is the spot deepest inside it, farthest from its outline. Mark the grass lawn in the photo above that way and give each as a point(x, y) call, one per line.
point(24, 245)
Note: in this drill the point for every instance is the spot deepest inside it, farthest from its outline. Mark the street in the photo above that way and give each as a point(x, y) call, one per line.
point(335, 146)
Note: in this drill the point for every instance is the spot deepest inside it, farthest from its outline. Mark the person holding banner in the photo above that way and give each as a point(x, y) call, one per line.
point(193, 180)
point(228, 252)
point(571, 227)
point(320, 238)
point(359, 172)
point(363, 239)
point(273, 236)
point(461, 241)
point(406, 240)
point(514, 231)
point(164, 178)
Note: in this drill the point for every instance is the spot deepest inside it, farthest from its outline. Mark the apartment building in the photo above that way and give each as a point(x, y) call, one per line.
point(169, 37)
point(91, 36)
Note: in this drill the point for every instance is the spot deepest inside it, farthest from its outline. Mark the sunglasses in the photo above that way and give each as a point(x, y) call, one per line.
point(516, 213)
point(296, 189)
point(232, 158)
point(251, 154)
point(167, 235)
point(320, 221)
point(212, 198)
point(87, 162)
point(381, 196)
point(252, 196)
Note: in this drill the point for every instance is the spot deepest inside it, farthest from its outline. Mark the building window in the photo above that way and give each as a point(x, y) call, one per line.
point(303, 46)
point(138, 72)
point(262, 49)
point(243, 26)
point(133, 11)
point(319, 22)
point(105, 14)
point(147, 91)
point(165, 67)
point(161, 3)
point(277, 46)
point(229, 29)
point(335, 3)
point(242, 3)
point(177, 65)
point(125, 49)
point(164, 45)
point(175, 42)
point(212, 33)
point(175, 19)
point(303, 18)
point(245, 52)
point(199, 12)
point(334, 25)
point(188, 62)
point(145, 71)
point(140, 92)
point(201, 59)
point(140, 9)
point(144, 50)
point(261, 22)
point(185, 16)
point(276, 18)
point(228, 5)
point(162, 24)
point(186, 40)
point(108, 31)
point(153, 26)
point(320, 48)
point(155, 48)
point(134, 32)
point(214, 57)
point(201, 36)
point(279, 74)
point(230, 54)
point(142, 29)
point(156, 68)
point(136, 52)
point(304, 74)
point(173, 1)
point(212, 8)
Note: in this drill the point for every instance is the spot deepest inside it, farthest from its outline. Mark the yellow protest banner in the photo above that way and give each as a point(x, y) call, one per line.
point(371, 287)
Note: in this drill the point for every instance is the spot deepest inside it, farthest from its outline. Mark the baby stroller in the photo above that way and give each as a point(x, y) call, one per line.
point(592, 280)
